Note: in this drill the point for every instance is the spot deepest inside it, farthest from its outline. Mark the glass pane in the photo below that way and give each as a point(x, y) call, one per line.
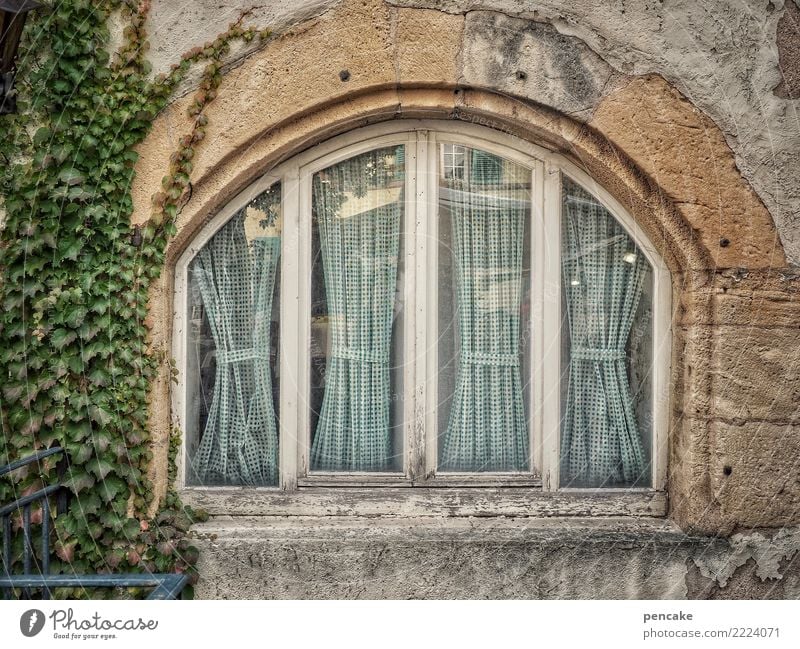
point(484, 314)
point(232, 356)
point(356, 314)
point(607, 350)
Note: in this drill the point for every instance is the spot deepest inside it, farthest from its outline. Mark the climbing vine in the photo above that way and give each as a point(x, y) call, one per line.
point(75, 278)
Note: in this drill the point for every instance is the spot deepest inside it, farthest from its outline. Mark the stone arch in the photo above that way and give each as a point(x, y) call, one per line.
point(216, 181)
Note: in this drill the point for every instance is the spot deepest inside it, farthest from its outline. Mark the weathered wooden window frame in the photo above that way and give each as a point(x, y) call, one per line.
point(418, 490)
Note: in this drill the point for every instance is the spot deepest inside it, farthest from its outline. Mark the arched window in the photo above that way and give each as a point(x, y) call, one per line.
point(423, 304)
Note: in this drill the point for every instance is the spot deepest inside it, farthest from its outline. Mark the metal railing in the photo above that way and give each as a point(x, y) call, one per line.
point(165, 585)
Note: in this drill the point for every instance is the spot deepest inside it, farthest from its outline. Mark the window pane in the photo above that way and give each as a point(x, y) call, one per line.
point(232, 356)
point(484, 315)
point(607, 350)
point(356, 314)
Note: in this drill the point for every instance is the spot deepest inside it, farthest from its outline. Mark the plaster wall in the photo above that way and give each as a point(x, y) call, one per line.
point(488, 558)
point(735, 61)
point(680, 111)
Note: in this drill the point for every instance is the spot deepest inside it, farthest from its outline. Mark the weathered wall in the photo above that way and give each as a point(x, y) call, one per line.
point(463, 558)
point(679, 110)
point(730, 59)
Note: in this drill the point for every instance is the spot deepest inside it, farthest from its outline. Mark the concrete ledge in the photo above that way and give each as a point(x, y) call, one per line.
point(355, 557)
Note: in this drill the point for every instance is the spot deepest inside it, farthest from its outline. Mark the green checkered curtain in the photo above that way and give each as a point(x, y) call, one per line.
point(486, 430)
point(357, 205)
point(603, 275)
point(236, 278)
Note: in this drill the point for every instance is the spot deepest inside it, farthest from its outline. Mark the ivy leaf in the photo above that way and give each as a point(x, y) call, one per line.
point(79, 194)
point(13, 392)
point(66, 551)
point(131, 527)
point(49, 436)
point(79, 453)
point(69, 248)
point(75, 364)
point(79, 431)
point(33, 424)
point(74, 317)
point(101, 442)
point(80, 481)
point(99, 377)
point(42, 135)
point(99, 415)
point(100, 305)
point(110, 488)
point(89, 502)
point(100, 467)
point(62, 337)
point(71, 177)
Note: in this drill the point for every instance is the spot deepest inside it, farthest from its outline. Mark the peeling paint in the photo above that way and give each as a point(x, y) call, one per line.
point(720, 564)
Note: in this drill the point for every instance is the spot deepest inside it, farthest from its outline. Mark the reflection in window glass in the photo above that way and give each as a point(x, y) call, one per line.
point(356, 327)
point(483, 312)
point(606, 358)
point(453, 161)
point(232, 359)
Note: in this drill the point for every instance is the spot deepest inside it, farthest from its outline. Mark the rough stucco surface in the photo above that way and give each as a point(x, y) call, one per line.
point(176, 27)
point(722, 56)
point(676, 109)
point(532, 59)
point(481, 558)
point(463, 558)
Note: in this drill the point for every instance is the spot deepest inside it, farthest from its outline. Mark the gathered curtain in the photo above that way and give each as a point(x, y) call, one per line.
point(486, 429)
point(357, 208)
point(236, 279)
point(603, 275)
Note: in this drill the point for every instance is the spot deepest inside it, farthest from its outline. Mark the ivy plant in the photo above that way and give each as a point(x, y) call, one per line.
point(75, 278)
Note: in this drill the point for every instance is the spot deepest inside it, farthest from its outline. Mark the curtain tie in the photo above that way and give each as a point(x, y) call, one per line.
point(226, 357)
point(484, 358)
point(597, 353)
point(360, 355)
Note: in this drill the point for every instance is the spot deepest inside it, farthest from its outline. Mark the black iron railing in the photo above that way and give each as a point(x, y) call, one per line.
point(37, 577)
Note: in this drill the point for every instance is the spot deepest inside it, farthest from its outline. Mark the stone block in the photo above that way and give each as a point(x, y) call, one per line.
point(688, 157)
point(756, 374)
point(755, 473)
point(428, 47)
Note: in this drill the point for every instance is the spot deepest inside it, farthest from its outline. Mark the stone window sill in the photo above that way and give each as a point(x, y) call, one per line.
point(512, 501)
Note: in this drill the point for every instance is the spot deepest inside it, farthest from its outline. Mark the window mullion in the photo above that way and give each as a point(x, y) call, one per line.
point(411, 443)
point(538, 288)
point(431, 324)
point(429, 252)
point(291, 339)
point(419, 284)
point(551, 328)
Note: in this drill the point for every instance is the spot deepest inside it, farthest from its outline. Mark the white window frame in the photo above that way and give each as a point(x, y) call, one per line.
point(386, 493)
